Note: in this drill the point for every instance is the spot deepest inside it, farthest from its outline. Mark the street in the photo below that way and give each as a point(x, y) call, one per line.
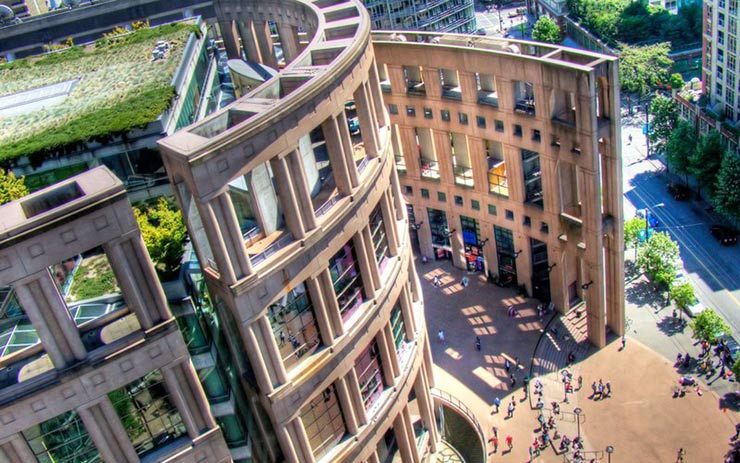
point(712, 268)
point(489, 19)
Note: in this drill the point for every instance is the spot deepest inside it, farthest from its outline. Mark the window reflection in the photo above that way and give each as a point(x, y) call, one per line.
point(147, 413)
point(62, 439)
point(345, 274)
point(294, 326)
point(322, 418)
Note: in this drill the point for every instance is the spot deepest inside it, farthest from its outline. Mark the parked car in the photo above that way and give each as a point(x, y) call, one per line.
point(652, 220)
point(680, 192)
point(731, 346)
point(725, 235)
point(481, 31)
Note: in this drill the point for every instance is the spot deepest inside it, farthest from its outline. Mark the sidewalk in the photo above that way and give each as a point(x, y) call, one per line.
point(640, 420)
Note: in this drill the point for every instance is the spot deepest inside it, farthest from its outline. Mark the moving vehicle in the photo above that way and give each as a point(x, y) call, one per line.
point(725, 235)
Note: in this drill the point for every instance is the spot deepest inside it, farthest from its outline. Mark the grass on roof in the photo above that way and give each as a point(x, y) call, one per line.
point(120, 88)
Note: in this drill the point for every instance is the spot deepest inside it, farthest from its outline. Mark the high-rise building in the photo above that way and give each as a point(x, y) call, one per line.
point(510, 162)
point(422, 15)
point(720, 57)
point(98, 382)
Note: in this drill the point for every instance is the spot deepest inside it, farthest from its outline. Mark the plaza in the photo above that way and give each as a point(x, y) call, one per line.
point(641, 420)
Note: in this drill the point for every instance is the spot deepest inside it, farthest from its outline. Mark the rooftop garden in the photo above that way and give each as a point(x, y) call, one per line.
point(120, 86)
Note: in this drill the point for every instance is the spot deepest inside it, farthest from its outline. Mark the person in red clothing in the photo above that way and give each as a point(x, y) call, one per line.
point(510, 442)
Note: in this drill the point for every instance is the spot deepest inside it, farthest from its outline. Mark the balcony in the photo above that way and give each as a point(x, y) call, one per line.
point(416, 88)
point(268, 246)
point(488, 97)
point(525, 106)
point(452, 92)
point(429, 169)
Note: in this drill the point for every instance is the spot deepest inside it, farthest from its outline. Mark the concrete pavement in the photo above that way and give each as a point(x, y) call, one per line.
point(641, 420)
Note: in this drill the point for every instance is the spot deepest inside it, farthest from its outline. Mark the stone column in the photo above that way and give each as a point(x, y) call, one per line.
point(270, 350)
point(249, 40)
point(264, 42)
point(406, 444)
point(320, 311)
point(337, 158)
point(405, 138)
point(302, 192)
point(45, 307)
point(426, 408)
point(217, 243)
point(135, 274)
point(389, 224)
point(407, 311)
point(410, 431)
point(287, 197)
point(189, 398)
point(372, 260)
point(228, 34)
point(300, 436)
point(523, 261)
point(348, 408)
point(16, 449)
point(252, 347)
point(286, 444)
point(107, 432)
point(373, 83)
point(228, 225)
point(398, 203)
point(390, 368)
point(393, 355)
point(364, 263)
point(368, 124)
point(330, 300)
point(349, 149)
point(353, 384)
point(479, 164)
point(288, 41)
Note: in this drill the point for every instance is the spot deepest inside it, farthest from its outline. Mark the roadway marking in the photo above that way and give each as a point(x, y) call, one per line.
point(684, 241)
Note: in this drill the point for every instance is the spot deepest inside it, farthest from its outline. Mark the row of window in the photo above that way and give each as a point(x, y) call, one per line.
point(323, 417)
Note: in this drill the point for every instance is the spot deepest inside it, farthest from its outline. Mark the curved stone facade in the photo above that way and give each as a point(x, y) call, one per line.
point(294, 207)
point(510, 160)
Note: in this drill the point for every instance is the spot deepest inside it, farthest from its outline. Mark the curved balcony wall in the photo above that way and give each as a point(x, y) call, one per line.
point(294, 207)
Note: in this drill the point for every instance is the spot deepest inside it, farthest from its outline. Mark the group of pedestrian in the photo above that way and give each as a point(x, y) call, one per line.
point(494, 441)
point(601, 390)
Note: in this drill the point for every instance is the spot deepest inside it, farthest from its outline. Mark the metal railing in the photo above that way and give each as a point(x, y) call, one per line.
point(465, 411)
point(363, 164)
point(324, 208)
point(272, 249)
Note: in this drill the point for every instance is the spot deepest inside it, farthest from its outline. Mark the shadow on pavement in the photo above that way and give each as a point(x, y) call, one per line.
point(643, 293)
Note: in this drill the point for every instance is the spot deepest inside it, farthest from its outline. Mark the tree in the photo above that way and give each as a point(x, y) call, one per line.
point(164, 233)
point(680, 147)
point(11, 187)
point(726, 198)
point(683, 295)
point(546, 30)
point(658, 259)
point(707, 160)
point(632, 228)
point(709, 326)
point(676, 81)
point(642, 67)
point(736, 369)
point(665, 118)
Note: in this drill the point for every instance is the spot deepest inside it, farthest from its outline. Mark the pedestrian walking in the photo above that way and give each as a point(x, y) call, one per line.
point(507, 365)
point(494, 430)
point(629, 139)
point(540, 403)
point(510, 442)
point(497, 404)
point(510, 410)
point(495, 444)
point(465, 282)
point(595, 388)
point(580, 382)
point(681, 454)
point(608, 389)
point(516, 363)
point(435, 281)
point(441, 335)
point(477, 343)
point(601, 389)
point(624, 342)
point(513, 379)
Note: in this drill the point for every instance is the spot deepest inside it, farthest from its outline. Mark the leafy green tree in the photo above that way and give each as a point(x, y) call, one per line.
point(676, 81)
point(706, 161)
point(164, 233)
point(680, 148)
point(665, 118)
point(546, 30)
point(736, 369)
point(642, 67)
point(659, 258)
point(682, 295)
point(11, 187)
point(726, 198)
point(709, 326)
point(632, 229)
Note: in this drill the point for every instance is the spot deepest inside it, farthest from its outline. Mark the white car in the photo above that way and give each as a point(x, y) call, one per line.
point(696, 307)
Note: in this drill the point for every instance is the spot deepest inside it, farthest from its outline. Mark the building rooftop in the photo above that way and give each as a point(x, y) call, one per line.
point(61, 99)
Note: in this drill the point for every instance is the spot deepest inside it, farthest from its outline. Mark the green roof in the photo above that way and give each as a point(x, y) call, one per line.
point(56, 102)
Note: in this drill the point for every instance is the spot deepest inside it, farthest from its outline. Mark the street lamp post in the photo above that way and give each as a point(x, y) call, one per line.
point(609, 451)
point(647, 219)
point(578, 412)
point(647, 129)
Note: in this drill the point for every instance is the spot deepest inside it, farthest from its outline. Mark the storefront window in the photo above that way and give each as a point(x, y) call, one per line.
point(471, 241)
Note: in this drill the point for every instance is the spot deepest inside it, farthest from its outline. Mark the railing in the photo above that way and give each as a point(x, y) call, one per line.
point(272, 249)
point(585, 455)
point(416, 88)
point(525, 107)
point(363, 164)
point(466, 412)
point(463, 176)
point(452, 92)
point(324, 208)
point(429, 169)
